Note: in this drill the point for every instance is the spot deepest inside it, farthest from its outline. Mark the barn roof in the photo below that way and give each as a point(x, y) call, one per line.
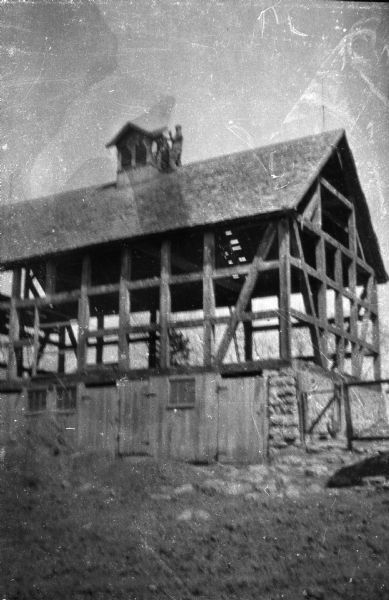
point(242, 185)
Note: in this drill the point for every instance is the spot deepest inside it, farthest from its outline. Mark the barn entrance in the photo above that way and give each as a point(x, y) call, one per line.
point(11, 411)
point(135, 416)
point(241, 431)
point(116, 417)
point(97, 418)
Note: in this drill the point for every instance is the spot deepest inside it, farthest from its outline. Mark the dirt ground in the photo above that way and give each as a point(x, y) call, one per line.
point(75, 527)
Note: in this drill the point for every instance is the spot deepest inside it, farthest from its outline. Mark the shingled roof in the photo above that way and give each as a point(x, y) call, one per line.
point(242, 185)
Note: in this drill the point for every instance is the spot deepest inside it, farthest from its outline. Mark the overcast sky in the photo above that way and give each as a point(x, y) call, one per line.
point(244, 73)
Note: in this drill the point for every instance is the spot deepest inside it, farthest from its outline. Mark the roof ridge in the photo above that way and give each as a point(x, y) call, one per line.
point(339, 130)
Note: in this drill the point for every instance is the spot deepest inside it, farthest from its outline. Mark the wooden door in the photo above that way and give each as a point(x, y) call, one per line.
point(241, 431)
point(63, 402)
point(98, 419)
point(11, 415)
point(135, 418)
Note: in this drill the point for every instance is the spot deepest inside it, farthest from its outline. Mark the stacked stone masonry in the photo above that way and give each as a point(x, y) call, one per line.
point(283, 412)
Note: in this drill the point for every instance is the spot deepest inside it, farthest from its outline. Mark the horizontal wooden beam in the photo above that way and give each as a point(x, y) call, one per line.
point(260, 315)
point(143, 284)
point(255, 366)
point(107, 288)
point(60, 298)
point(186, 278)
point(365, 383)
point(152, 327)
point(243, 269)
point(100, 343)
point(55, 324)
point(98, 333)
point(186, 323)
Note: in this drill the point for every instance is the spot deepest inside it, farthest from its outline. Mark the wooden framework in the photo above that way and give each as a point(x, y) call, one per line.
point(294, 254)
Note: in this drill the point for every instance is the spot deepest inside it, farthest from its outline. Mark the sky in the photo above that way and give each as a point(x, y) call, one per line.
point(244, 73)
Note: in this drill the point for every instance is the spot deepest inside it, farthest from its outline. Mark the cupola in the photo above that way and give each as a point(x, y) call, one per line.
point(145, 146)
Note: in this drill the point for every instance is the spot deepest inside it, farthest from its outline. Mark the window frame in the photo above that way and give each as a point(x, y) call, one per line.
point(59, 390)
point(42, 406)
point(181, 405)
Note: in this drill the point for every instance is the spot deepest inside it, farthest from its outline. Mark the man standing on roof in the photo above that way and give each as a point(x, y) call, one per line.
point(162, 156)
point(176, 150)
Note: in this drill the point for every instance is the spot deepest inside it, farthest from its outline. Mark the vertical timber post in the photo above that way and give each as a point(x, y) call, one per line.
point(83, 314)
point(61, 350)
point(285, 332)
point(339, 316)
point(50, 277)
point(100, 340)
point(352, 280)
point(248, 340)
point(153, 341)
point(27, 282)
point(35, 357)
point(165, 305)
point(14, 366)
point(124, 309)
point(348, 418)
point(208, 296)
point(321, 267)
point(376, 331)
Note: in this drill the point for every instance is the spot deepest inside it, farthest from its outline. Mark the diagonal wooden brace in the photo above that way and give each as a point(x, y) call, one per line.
point(246, 291)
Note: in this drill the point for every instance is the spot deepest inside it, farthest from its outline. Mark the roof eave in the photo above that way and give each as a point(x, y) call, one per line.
point(265, 216)
point(151, 133)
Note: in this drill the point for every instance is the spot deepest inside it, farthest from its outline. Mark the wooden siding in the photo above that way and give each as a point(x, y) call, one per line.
point(226, 420)
point(98, 420)
point(186, 433)
point(136, 419)
point(241, 420)
point(12, 406)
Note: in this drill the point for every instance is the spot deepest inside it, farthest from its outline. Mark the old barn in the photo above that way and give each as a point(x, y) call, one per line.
point(173, 312)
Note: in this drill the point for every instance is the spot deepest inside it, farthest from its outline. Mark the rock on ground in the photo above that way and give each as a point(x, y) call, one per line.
point(227, 488)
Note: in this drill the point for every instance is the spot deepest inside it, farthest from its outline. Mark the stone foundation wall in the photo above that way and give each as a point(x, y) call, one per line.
point(283, 412)
point(285, 431)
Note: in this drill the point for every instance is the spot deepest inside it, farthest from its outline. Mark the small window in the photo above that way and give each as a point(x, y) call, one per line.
point(182, 392)
point(66, 398)
point(37, 400)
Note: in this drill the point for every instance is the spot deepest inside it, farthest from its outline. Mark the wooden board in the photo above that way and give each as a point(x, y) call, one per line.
point(135, 418)
point(98, 419)
point(179, 428)
point(185, 433)
point(11, 415)
point(241, 434)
